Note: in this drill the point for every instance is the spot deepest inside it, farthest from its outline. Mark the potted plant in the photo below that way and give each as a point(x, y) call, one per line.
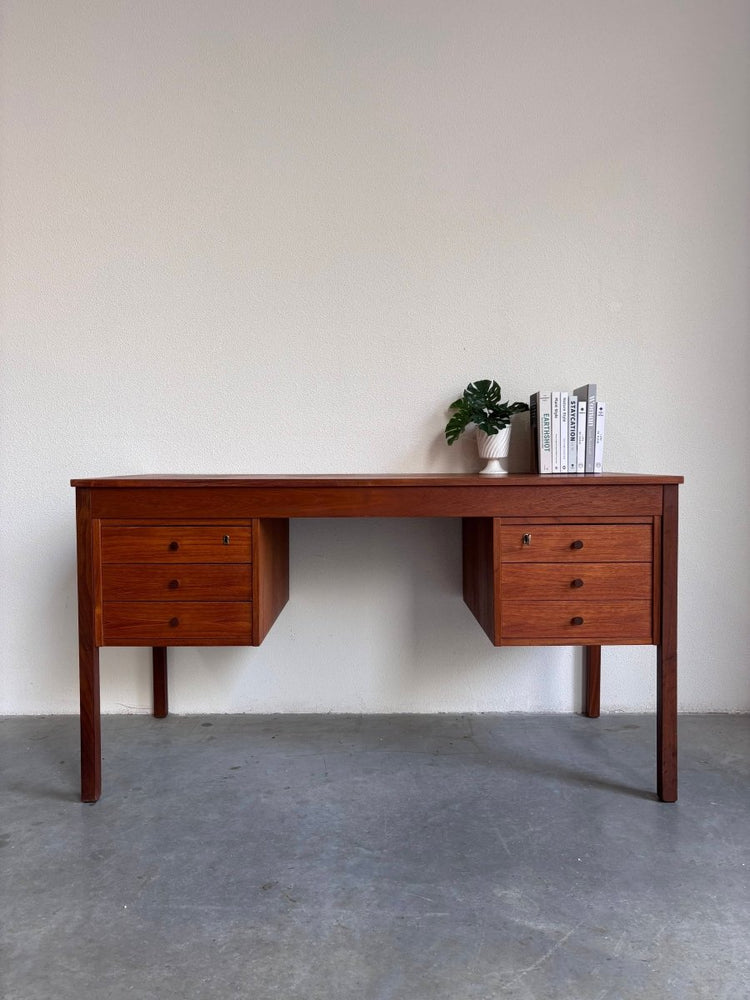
point(481, 404)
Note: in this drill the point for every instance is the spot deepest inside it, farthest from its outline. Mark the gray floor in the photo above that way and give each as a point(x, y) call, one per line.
point(410, 857)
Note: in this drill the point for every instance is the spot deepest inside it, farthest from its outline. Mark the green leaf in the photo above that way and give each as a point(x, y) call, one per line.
point(483, 392)
point(455, 427)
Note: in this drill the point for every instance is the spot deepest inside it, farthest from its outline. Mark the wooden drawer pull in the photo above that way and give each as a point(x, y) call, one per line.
point(174, 622)
point(174, 546)
point(576, 583)
point(577, 544)
point(173, 584)
point(577, 620)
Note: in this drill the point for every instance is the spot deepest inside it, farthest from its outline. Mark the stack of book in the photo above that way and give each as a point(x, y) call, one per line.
point(567, 430)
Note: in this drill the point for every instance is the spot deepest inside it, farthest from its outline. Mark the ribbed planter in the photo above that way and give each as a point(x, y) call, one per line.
point(494, 447)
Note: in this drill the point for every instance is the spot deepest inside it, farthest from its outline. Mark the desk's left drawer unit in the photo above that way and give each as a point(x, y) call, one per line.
point(191, 584)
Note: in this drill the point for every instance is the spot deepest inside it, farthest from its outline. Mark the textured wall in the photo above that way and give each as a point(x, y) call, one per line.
point(281, 237)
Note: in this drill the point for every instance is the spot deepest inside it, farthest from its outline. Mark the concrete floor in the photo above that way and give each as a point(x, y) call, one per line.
point(375, 858)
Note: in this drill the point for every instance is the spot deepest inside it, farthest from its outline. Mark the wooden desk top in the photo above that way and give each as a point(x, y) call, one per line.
point(379, 480)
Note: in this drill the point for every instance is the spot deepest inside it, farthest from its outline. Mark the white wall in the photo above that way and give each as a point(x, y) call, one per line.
point(281, 235)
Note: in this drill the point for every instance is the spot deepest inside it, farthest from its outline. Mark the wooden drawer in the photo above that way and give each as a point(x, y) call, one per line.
point(576, 542)
point(180, 543)
point(171, 623)
point(576, 623)
point(583, 581)
point(186, 582)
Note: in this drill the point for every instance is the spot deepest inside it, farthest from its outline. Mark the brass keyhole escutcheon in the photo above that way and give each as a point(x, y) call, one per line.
point(225, 540)
point(526, 538)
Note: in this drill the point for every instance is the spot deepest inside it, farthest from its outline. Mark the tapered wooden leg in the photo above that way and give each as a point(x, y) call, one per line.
point(88, 654)
point(592, 663)
point(666, 656)
point(161, 705)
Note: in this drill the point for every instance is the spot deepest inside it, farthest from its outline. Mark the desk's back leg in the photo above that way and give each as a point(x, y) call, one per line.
point(161, 702)
point(592, 664)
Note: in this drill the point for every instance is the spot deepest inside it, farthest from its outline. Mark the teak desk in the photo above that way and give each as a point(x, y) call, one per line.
point(585, 560)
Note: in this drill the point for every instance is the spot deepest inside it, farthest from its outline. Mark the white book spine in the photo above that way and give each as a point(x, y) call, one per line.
point(601, 410)
point(564, 417)
point(544, 417)
point(572, 432)
point(581, 434)
point(590, 428)
point(555, 431)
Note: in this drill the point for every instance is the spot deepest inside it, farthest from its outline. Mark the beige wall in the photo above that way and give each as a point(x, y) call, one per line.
point(282, 236)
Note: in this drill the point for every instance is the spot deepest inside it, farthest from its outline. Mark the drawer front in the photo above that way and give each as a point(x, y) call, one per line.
point(572, 623)
point(181, 543)
point(171, 623)
point(186, 582)
point(582, 581)
point(576, 542)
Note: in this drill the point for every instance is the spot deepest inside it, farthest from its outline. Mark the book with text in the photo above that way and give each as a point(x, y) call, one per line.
point(601, 409)
point(542, 402)
point(572, 432)
point(581, 436)
point(555, 431)
point(588, 392)
point(564, 418)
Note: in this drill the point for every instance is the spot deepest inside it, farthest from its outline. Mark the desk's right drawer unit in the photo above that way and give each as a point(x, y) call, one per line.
point(567, 583)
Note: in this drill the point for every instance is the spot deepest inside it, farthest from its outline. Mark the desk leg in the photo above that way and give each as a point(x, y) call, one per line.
point(91, 733)
point(592, 663)
point(88, 654)
point(666, 656)
point(161, 704)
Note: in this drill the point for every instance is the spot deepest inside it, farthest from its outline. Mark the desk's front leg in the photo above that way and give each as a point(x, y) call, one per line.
point(91, 735)
point(666, 656)
point(88, 653)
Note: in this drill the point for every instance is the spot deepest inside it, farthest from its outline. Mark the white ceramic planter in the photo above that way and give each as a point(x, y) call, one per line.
point(494, 447)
